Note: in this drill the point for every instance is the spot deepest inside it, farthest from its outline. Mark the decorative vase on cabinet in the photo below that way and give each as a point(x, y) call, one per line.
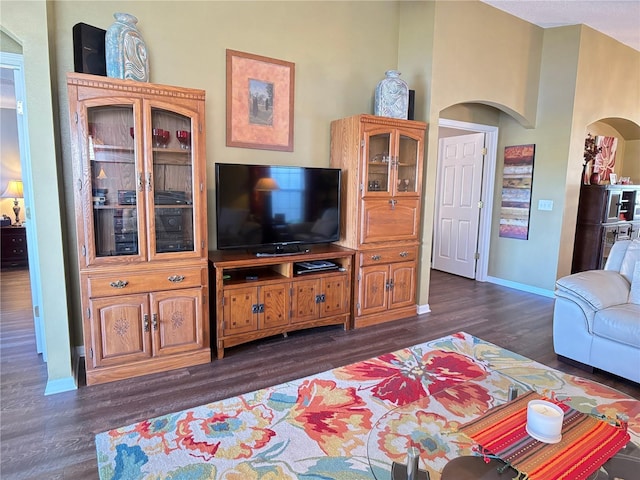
point(141, 226)
point(381, 211)
point(125, 50)
point(392, 96)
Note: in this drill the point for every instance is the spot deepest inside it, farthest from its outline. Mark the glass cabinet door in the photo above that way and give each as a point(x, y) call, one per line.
point(172, 181)
point(115, 181)
point(378, 163)
point(613, 207)
point(407, 165)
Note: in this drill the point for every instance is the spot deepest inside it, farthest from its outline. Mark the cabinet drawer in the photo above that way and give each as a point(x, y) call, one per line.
point(388, 255)
point(126, 283)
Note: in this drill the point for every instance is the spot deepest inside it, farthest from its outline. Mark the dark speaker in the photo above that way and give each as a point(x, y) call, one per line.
point(88, 49)
point(412, 103)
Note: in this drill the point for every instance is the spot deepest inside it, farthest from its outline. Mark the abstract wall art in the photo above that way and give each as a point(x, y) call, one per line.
point(517, 178)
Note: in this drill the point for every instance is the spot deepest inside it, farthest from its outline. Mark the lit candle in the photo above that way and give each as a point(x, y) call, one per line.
point(544, 421)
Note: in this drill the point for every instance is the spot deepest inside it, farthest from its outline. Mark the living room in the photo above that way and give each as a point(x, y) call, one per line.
point(546, 99)
point(537, 86)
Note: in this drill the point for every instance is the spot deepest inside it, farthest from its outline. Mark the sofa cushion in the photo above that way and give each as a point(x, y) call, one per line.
point(599, 288)
point(634, 292)
point(631, 256)
point(620, 324)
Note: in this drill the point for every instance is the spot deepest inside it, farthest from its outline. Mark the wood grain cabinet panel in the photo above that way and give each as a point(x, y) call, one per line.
point(141, 221)
point(121, 333)
point(382, 159)
point(258, 297)
point(390, 220)
point(175, 321)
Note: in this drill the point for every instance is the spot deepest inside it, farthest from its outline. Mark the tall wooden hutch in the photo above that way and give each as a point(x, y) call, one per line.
point(141, 213)
point(606, 214)
point(381, 160)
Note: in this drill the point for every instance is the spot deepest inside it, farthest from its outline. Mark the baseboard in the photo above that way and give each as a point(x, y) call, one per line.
point(521, 286)
point(60, 385)
point(423, 309)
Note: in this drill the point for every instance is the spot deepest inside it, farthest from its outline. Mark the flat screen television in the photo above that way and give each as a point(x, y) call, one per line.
point(276, 209)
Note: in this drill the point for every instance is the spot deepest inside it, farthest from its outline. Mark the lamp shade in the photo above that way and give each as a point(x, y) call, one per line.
point(267, 184)
point(14, 189)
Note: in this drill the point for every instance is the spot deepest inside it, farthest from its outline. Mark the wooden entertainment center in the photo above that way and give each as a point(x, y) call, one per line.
point(257, 297)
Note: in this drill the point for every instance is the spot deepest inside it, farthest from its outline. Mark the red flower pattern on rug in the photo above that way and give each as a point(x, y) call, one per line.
point(403, 379)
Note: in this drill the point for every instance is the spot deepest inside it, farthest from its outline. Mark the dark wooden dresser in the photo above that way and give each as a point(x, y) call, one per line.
point(606, 213)
point(14, 247)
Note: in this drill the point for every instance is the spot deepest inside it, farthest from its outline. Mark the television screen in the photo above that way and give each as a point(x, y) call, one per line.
point(267, 208)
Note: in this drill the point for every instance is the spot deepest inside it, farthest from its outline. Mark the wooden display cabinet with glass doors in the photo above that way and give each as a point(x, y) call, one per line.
point(140, 196)
point(381, 160)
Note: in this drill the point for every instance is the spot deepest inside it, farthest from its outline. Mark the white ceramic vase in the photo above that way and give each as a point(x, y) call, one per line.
point(125, 50)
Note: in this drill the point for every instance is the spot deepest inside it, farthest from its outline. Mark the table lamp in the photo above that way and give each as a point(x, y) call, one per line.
point(14, 190)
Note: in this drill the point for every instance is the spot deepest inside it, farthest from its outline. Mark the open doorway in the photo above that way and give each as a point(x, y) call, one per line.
point(16, 163)
point(463, 210)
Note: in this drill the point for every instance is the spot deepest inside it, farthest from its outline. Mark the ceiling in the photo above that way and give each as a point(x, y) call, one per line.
point(619, 19)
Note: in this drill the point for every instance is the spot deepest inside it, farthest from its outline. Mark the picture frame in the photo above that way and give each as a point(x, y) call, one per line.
point(517, 180)
point(260, 101)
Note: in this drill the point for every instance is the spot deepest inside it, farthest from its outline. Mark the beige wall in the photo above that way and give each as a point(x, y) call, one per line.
point(606, 88)
point(533, 261)
point(474, 63)
point(631, 161)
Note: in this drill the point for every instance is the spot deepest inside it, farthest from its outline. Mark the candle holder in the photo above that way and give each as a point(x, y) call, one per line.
point(544, 421)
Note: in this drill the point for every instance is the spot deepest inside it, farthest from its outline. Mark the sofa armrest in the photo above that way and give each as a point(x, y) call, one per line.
point(596, 288)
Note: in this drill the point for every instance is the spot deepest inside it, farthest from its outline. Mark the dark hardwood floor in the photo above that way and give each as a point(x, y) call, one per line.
point(52, 437)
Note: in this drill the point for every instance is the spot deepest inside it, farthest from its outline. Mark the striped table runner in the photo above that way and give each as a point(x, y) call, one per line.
point(587, 442)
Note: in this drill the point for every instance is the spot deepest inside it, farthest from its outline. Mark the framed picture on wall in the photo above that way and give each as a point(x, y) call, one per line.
point(517, 179)
point(260, 94)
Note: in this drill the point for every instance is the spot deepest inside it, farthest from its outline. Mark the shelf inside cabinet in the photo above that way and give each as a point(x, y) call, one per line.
point(180, 151)
point(114, 207)
point(248, 275)
point(98, 147)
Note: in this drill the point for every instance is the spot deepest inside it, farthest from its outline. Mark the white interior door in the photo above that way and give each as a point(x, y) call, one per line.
point(458, 204)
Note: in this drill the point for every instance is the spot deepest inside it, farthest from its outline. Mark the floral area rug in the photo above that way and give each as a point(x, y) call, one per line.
point(349, 423)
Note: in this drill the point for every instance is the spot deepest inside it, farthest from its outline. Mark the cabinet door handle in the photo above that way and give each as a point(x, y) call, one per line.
point(176, 278)
point(119, 284)
point(154, 321)
point(393, 202)
point(404, 254)
point(375, 258)
point(140, 182)
point(254, 308)
point(146, 322)
point(148, 181)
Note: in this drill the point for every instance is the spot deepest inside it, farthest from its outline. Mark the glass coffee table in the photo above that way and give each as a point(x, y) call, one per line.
point(431, 424)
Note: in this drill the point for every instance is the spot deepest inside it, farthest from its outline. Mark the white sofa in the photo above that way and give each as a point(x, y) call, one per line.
point(596, 317)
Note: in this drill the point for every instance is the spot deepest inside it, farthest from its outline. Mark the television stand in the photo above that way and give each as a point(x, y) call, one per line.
point(271, 295)
point(282, 250)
